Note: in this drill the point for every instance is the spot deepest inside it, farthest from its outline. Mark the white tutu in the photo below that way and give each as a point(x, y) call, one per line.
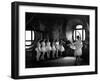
point(62, 48)
point(53, 48)
point(48, 48)
point(43, 49)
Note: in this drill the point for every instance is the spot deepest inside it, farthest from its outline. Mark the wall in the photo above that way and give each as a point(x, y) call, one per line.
point(5, 40)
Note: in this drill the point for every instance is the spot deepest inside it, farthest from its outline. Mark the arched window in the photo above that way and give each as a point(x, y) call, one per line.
point(29, 37)
point(79, 31)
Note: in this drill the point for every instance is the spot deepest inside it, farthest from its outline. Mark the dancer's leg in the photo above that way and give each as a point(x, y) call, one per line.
point(42, 57)
point(38, 56)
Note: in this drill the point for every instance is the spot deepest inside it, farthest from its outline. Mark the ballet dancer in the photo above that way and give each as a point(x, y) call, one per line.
point(53, 49)
point(43, 49)
point(48, 49)
point(38, 50)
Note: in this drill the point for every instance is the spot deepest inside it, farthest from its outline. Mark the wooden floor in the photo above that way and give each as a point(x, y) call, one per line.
point(64, 61)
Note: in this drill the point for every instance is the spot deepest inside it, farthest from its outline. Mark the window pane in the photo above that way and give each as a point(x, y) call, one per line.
point(28, 42)
point(83, 34)
point(79, 33)
point(79, 27)
point(32, 35)
point(74, 34)
point(28, 35)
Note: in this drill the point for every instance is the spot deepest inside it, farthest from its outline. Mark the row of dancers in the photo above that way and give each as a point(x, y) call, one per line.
point(46, 47)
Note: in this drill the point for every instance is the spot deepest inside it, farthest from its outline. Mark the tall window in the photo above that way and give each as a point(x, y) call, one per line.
point(29, 37)
point(79, 31)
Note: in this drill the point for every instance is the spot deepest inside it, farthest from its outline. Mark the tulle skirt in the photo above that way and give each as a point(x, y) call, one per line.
point(78, 52)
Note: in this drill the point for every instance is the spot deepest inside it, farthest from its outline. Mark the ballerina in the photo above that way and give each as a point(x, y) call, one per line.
point(77, 46)
point(48, 49)
point(57, 47)
point(53, 49)
point(78, 49)
point(62, 49)
point(43, 49)
point(38, 50)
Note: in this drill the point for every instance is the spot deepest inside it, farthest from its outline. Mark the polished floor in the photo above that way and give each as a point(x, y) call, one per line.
point(64, 61)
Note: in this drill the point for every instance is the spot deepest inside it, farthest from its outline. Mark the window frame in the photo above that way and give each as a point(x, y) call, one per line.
point(83, 29)
point(31, 37)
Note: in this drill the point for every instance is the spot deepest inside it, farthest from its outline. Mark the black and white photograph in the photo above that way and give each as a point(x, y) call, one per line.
point(51, 40)
point(56, 40)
